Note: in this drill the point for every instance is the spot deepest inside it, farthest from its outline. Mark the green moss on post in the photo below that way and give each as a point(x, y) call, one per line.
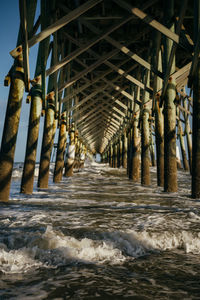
point(32, 139)
point(71, 153)
point(48, 133)
point(59, 165)
point(11, 124)
point(170, 164)
point(125, 146)
point(145, 141)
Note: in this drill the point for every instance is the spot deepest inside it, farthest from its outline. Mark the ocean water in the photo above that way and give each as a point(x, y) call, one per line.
point(98, 235)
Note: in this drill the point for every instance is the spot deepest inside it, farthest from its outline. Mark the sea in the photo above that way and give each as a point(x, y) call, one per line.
point(99, 235)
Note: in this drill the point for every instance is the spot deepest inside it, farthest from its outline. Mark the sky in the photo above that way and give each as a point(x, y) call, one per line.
point(9, 24)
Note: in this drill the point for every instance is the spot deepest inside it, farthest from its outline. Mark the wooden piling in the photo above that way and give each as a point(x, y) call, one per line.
point(129, 152)
point(119, 152)
point(145, 158)
point(32, 139)
point(47, 143)
point(196, 114)
point(115, 155)
point(125, 146)
point(181, 140)
point(77, 151)
point(71, 153)
point(136, 140)
point(110, 154)
point(59, 165)
point(82, 155)
point(188, 131)
point(159, 132)
point(11, 124)
point(152, 152)
point(170, 165)
point(158, 111)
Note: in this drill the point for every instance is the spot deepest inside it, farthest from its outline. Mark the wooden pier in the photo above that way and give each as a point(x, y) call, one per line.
point(124, 81)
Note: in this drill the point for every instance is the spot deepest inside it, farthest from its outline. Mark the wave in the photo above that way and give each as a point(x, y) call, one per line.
point(52, 248)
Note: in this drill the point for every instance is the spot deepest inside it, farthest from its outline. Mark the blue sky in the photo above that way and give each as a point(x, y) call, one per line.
point(9, 22)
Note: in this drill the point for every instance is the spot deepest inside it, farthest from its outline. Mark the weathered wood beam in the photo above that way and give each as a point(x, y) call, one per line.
point(113, 114)
point(86, 115)
point(23, 20)
point(168, 70)
point(131, 78)
point(89, 69)
point(194, 61)
point(134, 56)
point(118, 88)
point(149, 20)
point(124, 49)
point(98, 119)
point(109, 108)
point(115, 99)
point(62, 22)
point(93, 94)
point(94, 133)
point(99, 134)
point(85, 47)
point(102, 127)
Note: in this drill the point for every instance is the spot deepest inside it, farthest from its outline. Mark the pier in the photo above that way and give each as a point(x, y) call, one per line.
point(116, 78)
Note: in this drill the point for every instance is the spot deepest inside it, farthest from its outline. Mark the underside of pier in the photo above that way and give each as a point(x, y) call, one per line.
point(115, 77)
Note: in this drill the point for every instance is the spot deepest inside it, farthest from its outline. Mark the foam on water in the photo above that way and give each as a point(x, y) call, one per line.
point(52, 248)
point(17, 261)
point(99, 231)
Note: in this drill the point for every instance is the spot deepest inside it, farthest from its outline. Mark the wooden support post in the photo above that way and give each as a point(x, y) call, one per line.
point(59, 165)
point(32, 139)
point(159, 132)
point(112, 163)
point(188, 131)
point(77, 149)
point(125, 146)
point(16, 78)
point(136, 140)
point(110, 155)
point(170, 165)
point(158, 111)
point(182, 143)
point(129, 153)
point(11, 124)
point(196, 114)
point(71, 153)
point(145, 159)
point(115, 155)
point(49, 128)
point(119, 152)
point(82, 155)
point(107, 157)
point(152, 152)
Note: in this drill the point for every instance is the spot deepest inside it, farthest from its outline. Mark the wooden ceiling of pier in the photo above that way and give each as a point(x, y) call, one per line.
point(105, 47)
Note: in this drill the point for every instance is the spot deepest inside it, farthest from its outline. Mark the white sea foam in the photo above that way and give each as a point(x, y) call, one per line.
point(17, 173)
point(169, 240)
point(17, 261)
point(83, 249)
point(53, 248)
